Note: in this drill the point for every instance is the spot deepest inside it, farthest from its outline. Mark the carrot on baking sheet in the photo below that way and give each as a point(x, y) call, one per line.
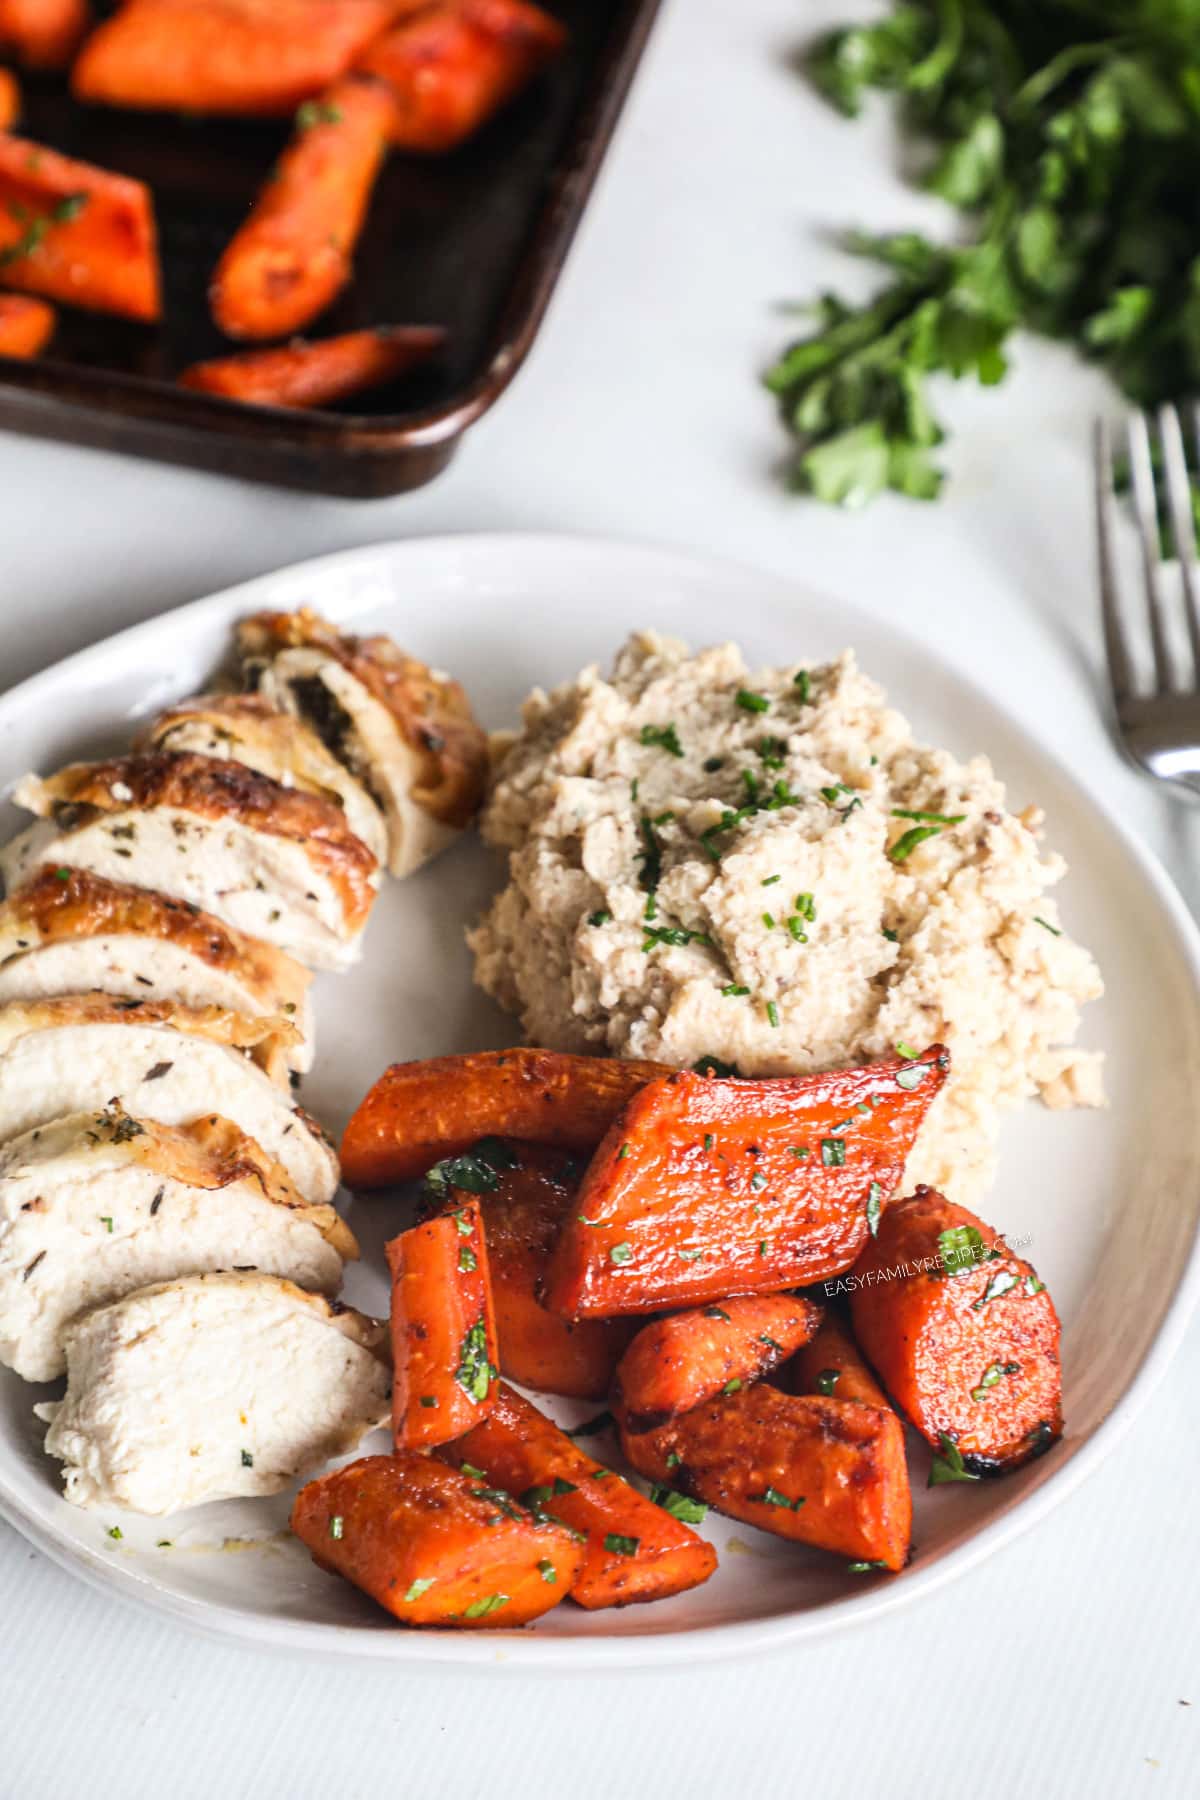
point(453, 66)
point(259, 58)
point(76, 233)
point(26, 325)
point(43, 34)
point(419, 1112)
point(10, 99)
point(635, 1551)
point(963, 1335)
point(295, 252)
point(676, 1363)
point(435, 1547)
point(443, 1329)
point(522, 1216)
point(830, 1473)
point(832, 1364)
point(303, 374)
point(704, 1188)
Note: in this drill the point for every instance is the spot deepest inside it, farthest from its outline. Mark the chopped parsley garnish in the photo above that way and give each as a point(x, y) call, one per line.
point(472, 1173)
point(762, 1246)
point(547, 1570)
point(772, 1014)
point(600, 917)
point(317, 112)
point(64, 210)
point(928, 818)
point(863, 1568)
point(712, 1065)
point(992, 1375)
point(771, 1496)
point(960, 1248)
point(904, 846)
point(1000, 1283)
point(1034, 1285)
point(680, 1506)
point(429, 1400)
point(714, 1312)
point(475, 1373)
point(800, 1150)
point(1046, 925)
point(247, 1460)
point(752, 703)
point(590, 1427)
point(802, 683)
point(734, 990)
point(947, 1464)
point(874, 1208)
point(337, 1526)
point(537, 1496)
point(420, 1586)
point(709, 1140)
point(893, 937)
point(482, 1609)
point(673, 1459)
point(650, 855)
point(620, 1253)
point(827, 1380)
point(758, 1181)
point(468, 1262)
point(691, 1256)
point(621, 1546)
point(732, 1386)
point(713, 763)
point(833, 1152)
point(115, 1532)
point(664, 737)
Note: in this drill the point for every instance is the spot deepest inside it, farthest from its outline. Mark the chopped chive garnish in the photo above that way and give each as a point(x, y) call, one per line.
point(772, 1014)
point(833, 1152)
point(601, 917)
point(337, 1526)
point(420, 1586)
point(827, 1380)
point(802, 684)
point(1046, 925)
point(618, 1545)
point(770, 880)
point(768, 920)
point(928, 818)
point(906, 1051)
point(734, 990)
point(665, 737)
point(752, 703)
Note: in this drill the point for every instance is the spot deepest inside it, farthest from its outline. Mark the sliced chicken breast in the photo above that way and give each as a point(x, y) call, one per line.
point(268, 860)
point(66, 931)
point(95, 1205)
point(85, 1052)
point(407, 732)
point(210, 1387)
point(246, 728)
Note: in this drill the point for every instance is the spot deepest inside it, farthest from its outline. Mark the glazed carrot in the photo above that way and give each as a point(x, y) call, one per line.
point(521, 1219)
point(677, 1363)
point(26, 325)
point(832, 1364)
point(443, 1331)
point(453, 66)
point(419, 1112)
point(825, 1472)
point(76, 233)
point(295, 252)
point(248, 57)
point(704, 1188)
point(43, 34)
point(316, 374)
point(636, 1551)
point(10, 100)
point(963, 1334)
point(432, 1546)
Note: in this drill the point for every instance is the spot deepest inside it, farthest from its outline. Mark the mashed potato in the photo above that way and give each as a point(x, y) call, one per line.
point(764, 868)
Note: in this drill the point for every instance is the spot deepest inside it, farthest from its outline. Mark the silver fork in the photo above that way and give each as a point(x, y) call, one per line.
point(1158, 720)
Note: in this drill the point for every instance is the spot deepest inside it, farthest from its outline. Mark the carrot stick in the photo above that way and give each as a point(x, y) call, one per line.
point(453, 66)
point(26, 325)
point(443, 1329)
point(10, 100)
point(316, 374)
point(830, 1473)
point(832, 1364)
point(636, 1551)
point(76, 233)
point(419, 1112)
point(963, 1334)
point(705, 1188)
point(43, 34)
point(434, 1547)
point(295, 252)
point(259, 58)
point(677, 1363)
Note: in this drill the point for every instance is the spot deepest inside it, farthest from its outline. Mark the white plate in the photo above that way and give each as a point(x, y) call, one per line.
point(1110, 1200)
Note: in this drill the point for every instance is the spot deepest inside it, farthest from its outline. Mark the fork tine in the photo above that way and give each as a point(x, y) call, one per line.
point(1145, 502)
point(1183, 527)
point(1120, 668)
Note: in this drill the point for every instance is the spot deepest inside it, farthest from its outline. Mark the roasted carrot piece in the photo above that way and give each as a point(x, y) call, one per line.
point(419, 1112)
point(635, 1550)
point(43, 34)
point(453, 66)
point(443, 1329)
point(76, 233)
point(432, 1546)
point(247, 57)
point(316, 374)
point(963, 1334)
point(26, 325)
point(10, 100)
point(705, 1188)
point(830, 1473)
point(534, 1188)
point(679, 1362)
point(832, 1364)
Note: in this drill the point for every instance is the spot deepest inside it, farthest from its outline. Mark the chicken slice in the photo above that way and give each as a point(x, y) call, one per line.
point(66, 931)
point(246, 728)
point(407, 732)
point(97, 1204)
point(84, 1052)
point(268, 860)
point(209, 1387)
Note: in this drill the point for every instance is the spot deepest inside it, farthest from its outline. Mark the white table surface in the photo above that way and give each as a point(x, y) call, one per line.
point(1069, 1664)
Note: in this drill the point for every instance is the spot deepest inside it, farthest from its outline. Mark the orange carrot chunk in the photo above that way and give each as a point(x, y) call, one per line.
point(452, 67)
point(635, 1550)
point(246, 57)
point(43, 34)
point(434, 1547)
point(832, 1364)
point(10, 100)
point(26, 325)
point(704, 1188)
point(965, 1337)
point(443, 1330)
point(76, 233)
point(535, 1186)
point(677, 1363)
point(419, 1112)
point(316, 374)
point(295, 252)
point(830, 1473)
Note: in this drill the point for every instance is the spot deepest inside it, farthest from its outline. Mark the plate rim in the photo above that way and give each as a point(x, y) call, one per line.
point(524, 1651)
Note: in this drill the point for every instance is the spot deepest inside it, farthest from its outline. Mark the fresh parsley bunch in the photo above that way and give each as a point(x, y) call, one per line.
point(1068, 131)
